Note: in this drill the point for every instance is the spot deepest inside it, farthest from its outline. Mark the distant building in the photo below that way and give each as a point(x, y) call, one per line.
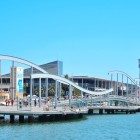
point(91, 83)
point(55, 68)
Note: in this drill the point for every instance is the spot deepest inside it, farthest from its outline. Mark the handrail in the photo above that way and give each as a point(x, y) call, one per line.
point(121, 72)
point(16, 59)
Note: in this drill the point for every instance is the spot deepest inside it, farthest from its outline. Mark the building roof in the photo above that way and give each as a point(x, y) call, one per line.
point(87, 77)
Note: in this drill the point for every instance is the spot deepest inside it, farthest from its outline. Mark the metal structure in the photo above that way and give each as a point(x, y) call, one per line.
point(133, 87)
point(46, 75)
point(16, 59)
point(68, 82)
point(60, 80)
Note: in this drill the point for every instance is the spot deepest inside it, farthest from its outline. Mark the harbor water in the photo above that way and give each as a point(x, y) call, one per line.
point(94, 127)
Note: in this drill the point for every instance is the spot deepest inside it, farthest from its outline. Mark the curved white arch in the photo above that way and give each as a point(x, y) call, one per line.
point(11, 58)
point(121, 72)
point(58, 78)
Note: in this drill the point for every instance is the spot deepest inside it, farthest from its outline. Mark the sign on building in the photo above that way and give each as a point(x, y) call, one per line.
point(19, 81)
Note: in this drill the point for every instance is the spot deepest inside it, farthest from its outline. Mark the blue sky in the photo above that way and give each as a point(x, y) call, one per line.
point(91, 37)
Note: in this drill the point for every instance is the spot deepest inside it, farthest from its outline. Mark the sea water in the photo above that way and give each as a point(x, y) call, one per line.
point(94, 127)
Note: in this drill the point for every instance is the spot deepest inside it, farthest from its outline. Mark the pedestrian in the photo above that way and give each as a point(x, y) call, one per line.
point(20, 103)
point(6, 101)
point(12, 102)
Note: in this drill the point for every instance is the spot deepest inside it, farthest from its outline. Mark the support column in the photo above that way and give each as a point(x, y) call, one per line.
point(112, 111)
point(122, 84)
point(31, 89)
point(102, 84)
point(21, 118)
point(60, 89)
point(33, 86)
point(81, 94)
point(39, 92)
point(100, 111)
point(91, 101)
point(111, 84)
point(46, 81)
point(117, 85)
point(131, 88)
point(12, 118)
point(108, 84)
point(70, 95)
point(55, 93)
point(13, 88)
point(127, 87)
point(82, 91)
point(95, 84)
point(136, 97)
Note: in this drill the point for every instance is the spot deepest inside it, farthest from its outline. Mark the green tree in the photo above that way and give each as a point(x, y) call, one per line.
point(66, 76)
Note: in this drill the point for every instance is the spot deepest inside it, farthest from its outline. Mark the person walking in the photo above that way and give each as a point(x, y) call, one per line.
point(12, 102)
point(6, 101)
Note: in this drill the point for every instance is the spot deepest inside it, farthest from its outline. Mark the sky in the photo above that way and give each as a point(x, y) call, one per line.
point(91, 37)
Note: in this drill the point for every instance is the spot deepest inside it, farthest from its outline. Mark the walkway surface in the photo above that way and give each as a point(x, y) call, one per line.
point(12, 110)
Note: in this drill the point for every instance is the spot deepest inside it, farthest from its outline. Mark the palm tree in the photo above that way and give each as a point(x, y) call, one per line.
point(52, 89)
point(66, 76)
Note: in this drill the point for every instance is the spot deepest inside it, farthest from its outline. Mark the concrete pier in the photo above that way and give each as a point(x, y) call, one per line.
point(58, 114)
point(112, 110)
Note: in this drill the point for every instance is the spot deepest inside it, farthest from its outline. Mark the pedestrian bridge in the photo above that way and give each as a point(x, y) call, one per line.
point(112, 98)
point(45, 75)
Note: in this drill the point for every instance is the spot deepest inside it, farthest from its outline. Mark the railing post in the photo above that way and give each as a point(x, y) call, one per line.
point(122, 84)
point(39, 92)
point(60, 89)
point(55, 93)
point(31, 92)
point(82, 91)
point(127, 87)
point(46, 82)
point(111, 82)
point(117, 85)
point(95, 84)
point(13, 81)
point(70, 95)
point(131, 88)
